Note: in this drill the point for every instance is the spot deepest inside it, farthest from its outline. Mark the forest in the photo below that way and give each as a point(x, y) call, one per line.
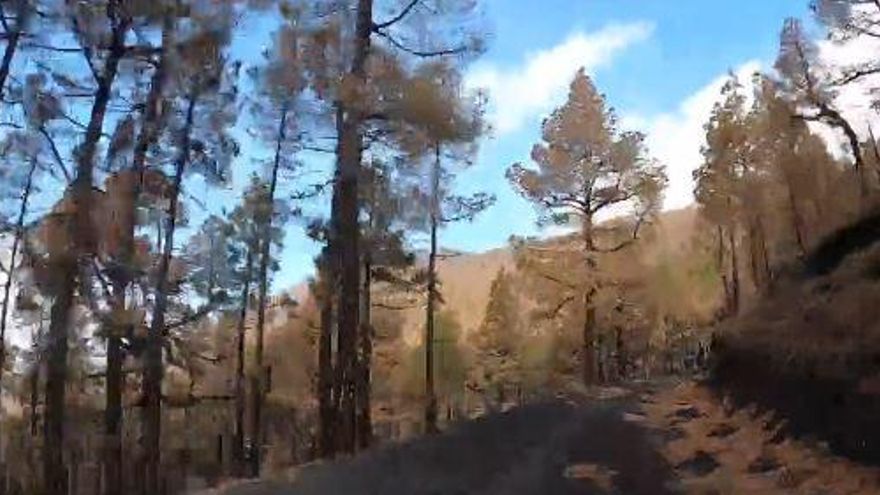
point(153, 165)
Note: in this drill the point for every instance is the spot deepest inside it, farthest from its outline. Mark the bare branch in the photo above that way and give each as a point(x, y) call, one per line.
point(554, 312)
point(53, 48)
point(55, 153)
point(625, 244)
point(392, 307)
point(399, 17)
point(317, 149)
point(420, 53)
point(554, 279)
point(446, 256)
point(192, 317)
point(855, 75)
point(3, 19)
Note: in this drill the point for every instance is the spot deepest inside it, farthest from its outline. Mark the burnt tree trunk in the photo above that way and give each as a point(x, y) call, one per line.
point(54, 468)
point(326, 409)
point(124, 276)
point(588, 336)
point(722, 270)
point(364, 419)
point(430, 393)
point(83, 242)
point(12, 39)
point(259, 378)
point(767, 271)
point(153, 362)
point(238, 455)
point(346, 233)
point(734, 272)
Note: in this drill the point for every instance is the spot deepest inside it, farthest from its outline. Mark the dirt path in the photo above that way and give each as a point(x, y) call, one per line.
point(574, 447)
point(671, 437)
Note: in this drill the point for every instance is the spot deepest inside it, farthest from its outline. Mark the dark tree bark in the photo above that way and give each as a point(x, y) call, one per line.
point(83, 243)
point(54, 468)
point(430, 393)
point(153, 363)
point(346, 233)
point(240, 398)
point(722, 270)
point(364, 417)
point(123, 276)
point(258, 380)
point(797, 223)
point(588, 336)
point(326, 409)
point(12, 39)
point(761, 273)
point(734, 272)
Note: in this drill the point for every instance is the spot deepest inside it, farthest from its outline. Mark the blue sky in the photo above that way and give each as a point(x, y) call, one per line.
point(660, 62)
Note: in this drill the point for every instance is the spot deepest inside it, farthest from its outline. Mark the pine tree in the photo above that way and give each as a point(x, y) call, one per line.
point(497, 340)
point(586, 167)
point(280, 85)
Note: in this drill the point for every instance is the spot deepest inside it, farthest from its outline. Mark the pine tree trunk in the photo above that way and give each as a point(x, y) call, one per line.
point(238, 456)
point(153, 362)
point(767, 272)
point(124, 276)
point(722, 271)
point(754, 261)
point(326, 409)
point(364, 419)
point(588, 350)
point(430, 393)
point(797, 222)
point(621, 354)
point(854, 143)
point(734, 272)
point(54, 468)
point(258, 383)
point(84, 243)
point(347, 234)
point(113, 393)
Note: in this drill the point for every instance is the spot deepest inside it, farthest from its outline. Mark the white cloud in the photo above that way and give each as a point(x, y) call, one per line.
point(675, 138)
point(525, 93)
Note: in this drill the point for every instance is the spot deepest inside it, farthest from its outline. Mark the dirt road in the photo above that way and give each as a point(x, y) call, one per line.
point(573, 447)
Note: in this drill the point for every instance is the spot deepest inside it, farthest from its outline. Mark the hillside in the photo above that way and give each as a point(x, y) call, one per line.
point(808, 350)
point(466, 278)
